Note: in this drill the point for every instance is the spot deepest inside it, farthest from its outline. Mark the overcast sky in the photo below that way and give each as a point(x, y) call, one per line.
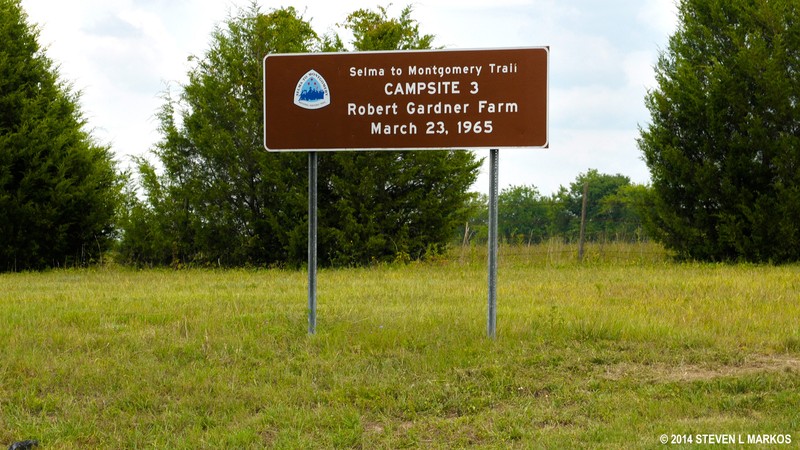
point(122, 54)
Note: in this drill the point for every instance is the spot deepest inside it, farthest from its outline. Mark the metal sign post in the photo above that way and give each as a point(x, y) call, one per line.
point(491, 328)
point(312, 242)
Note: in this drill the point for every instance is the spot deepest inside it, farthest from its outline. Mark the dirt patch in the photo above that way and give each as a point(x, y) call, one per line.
point(374, 428)
point(371, 427)
point(694, 372)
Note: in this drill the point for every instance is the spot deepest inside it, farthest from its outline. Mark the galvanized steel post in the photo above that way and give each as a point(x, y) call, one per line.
point(493, 182)
point(312, 242)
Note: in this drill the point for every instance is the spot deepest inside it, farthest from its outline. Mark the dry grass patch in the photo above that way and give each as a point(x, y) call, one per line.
point(664, 373)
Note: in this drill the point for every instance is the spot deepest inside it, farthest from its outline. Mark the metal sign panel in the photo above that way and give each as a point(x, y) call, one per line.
point(449, 99)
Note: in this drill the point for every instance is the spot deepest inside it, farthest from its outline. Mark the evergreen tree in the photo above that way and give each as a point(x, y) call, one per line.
point(390, 204)
point(223, 199)
point(723, 147)
point(58, 188)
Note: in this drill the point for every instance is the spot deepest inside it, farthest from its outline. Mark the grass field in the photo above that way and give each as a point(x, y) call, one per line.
point(614, 352)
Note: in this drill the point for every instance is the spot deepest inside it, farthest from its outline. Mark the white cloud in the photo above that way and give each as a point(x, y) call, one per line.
point(596, 106)
point(660, 15)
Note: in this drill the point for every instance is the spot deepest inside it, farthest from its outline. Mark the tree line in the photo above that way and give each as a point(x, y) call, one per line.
point(614, 211)
point(723, 149)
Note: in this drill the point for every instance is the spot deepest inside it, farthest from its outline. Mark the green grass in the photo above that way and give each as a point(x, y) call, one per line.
point(613, 352)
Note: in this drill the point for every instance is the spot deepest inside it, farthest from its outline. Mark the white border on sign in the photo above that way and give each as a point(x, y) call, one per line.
point(547, 101)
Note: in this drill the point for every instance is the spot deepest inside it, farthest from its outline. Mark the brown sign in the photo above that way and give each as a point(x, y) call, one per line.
point(406, 100)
